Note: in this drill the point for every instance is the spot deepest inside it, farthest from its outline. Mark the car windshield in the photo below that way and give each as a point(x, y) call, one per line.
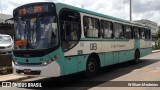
point(39, 33)
point(5, 39)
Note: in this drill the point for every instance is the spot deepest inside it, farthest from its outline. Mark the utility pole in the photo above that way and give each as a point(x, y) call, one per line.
point(124, 8)
point(1, 6)
point(82, 6)
point(130, 10)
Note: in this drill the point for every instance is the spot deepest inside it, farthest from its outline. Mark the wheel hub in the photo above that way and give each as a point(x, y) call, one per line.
point(91, 66)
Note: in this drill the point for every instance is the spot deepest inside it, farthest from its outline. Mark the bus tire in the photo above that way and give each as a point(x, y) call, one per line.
point(92, 67)
point(137, 57)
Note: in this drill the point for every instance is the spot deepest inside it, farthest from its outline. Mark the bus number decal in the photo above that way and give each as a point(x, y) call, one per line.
point(21, 42)
point(93, 46)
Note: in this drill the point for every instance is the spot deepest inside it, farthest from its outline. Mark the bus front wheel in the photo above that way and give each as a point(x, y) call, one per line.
point(92, 67)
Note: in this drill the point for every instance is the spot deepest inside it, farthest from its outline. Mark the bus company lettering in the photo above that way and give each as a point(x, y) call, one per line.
point(117, 46)
point(93, 46)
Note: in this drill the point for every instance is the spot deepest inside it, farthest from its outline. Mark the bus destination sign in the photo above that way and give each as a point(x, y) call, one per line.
point(33, 9)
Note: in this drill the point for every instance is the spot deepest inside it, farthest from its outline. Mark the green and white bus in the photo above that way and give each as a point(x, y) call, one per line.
point(55, 39)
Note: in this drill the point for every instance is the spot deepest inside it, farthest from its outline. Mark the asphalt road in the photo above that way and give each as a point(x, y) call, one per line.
point(110, 78)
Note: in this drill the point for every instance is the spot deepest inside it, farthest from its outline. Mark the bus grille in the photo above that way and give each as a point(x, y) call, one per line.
point(29, 63)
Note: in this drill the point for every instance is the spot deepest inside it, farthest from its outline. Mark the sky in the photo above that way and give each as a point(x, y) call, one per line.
point(141, 9)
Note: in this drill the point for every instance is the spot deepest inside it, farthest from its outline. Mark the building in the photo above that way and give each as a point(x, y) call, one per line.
point(3, 17)
point(153, 25)
point(6, 27)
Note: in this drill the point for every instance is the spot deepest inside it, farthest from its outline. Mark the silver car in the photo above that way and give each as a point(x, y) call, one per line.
point(6, 44)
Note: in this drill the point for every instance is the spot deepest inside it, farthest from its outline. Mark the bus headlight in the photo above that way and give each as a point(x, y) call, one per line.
point(16, 63)
point(45, 63)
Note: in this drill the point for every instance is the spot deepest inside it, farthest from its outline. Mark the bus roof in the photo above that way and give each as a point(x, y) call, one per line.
point(61, 5)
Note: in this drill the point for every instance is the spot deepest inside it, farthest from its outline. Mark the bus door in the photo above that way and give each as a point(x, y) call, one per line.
point(119, 37)
point(70, 35)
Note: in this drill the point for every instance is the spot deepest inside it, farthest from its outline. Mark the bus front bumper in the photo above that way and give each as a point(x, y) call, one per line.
point(51, 70)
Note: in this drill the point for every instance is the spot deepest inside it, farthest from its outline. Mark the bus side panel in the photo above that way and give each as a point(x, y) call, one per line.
point(150, 50)
point(126, 55)
point(142, 50)
point(102, 59)
point(146, 47)
point(108, 58)
point(71, 65)
point(108, 52)
point(82, 60)
point(122, 56)
point(145, 51)
point(116, 57)
point(60, 60)
point(130, 55)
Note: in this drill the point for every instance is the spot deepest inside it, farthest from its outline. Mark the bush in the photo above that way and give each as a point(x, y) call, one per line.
point(5, 70)
point(157, 45)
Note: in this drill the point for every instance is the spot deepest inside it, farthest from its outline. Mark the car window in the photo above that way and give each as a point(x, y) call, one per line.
point(1, 38)
point(5, 39)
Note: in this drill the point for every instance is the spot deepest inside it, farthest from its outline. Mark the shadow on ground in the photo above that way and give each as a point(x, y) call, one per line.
point(77, 81)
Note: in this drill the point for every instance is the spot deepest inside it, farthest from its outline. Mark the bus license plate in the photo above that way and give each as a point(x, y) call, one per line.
point(27, 70)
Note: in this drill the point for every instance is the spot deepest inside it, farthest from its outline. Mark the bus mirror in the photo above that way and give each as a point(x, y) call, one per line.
point(10, 19)
point(40, 15)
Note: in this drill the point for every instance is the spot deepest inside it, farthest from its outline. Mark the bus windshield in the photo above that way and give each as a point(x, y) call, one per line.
point(37, 33)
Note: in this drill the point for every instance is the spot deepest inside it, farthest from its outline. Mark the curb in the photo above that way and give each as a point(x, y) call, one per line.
point(155, 51)
point(17, 79)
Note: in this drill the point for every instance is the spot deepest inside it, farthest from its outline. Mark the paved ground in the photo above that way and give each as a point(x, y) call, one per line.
point(10, 77)
point(14, 77)
point(150, 72)
point(147, 70)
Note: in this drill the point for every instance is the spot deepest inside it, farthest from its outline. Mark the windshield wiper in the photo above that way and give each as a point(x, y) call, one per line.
point(14, 18)
point(9, 19)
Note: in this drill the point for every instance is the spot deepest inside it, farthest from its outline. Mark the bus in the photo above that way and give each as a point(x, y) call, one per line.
point(55, 39)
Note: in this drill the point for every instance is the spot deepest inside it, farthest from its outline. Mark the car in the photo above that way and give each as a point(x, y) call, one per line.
point(6, 43)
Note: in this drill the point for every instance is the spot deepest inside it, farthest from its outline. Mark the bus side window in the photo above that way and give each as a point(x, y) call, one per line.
point(70, 28)
point(150, 36)
point(85, 25)
point(136, 32)
point(91, 27)
point(118, 29)
point(132, 32)
point(147, 34)
point(142, 34)
point(128, 32)
point(107, 29)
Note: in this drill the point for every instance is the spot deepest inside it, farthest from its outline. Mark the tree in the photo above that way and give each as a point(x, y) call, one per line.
point(156, 38)
point(158, 33)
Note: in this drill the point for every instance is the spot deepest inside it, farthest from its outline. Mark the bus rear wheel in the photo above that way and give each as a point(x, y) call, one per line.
point(92, 67)
point(137, 57)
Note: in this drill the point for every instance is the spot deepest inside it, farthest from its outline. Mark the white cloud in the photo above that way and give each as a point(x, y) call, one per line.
point(142, 9)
